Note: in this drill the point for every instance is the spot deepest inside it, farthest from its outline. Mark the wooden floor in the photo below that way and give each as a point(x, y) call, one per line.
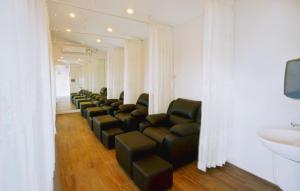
point(84, 164)
point(64, 105)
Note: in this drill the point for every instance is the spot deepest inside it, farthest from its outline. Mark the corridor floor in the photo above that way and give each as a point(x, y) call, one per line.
point(84, 164)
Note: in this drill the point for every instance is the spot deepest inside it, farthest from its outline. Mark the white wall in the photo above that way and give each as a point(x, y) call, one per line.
point(188, 59)
point(267, 35)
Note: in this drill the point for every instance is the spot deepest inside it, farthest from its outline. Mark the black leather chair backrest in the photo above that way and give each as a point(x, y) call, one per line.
point(184, 110)
point(121, 96)
point(103, 91)
point(143, 101)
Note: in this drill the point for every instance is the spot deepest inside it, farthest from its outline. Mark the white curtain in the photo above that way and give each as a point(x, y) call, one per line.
point(26, 110)
point(161, 68)
point(217, 82)
point(115, 72)
point(133, 70)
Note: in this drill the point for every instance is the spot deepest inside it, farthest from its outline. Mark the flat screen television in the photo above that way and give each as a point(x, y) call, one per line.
point(292, 79)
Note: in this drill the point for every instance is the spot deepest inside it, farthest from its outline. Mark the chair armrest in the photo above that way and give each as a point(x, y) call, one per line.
point(139, 113)
point(117, 104)
point(127, 108)
point(110, 101)
point(156, 119)
point(180, 149)
point(144, 125)
point(185, 129)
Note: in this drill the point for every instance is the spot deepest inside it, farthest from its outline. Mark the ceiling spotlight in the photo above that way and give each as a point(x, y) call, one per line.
point(130, 11)
point(61, 57)
point(109, 29)
point(68, 30)
point(72, 15)
point(78, 59)
point(98, 40)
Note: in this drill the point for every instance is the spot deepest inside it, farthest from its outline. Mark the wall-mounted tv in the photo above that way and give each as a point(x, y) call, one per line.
point(292, 79)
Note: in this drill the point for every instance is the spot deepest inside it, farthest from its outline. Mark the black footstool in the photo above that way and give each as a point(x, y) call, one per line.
point(132, 146)
point(90, 122)
point(104, 122)
point(85, 105)
point(72, 95)
point(96, 111)
point(108, 137)
point(78, 101)
point(77, 97)
point(153, 174)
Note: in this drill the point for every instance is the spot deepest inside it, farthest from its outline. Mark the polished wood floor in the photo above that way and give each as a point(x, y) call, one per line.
point(84, 164)
point(64, 105)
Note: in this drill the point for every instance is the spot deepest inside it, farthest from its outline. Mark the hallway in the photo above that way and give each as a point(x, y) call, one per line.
point(83, 163)
point(64, 105)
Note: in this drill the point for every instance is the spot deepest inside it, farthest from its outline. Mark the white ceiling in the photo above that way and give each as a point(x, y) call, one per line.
point(94, 16)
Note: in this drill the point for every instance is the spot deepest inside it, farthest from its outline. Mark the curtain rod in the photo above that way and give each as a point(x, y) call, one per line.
point(99, 12)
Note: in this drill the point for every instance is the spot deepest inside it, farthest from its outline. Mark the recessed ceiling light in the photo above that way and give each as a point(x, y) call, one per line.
point(68, 30)
point(61, 57)
point(109, 29)
point(72, 15)
point(98, 40)
point(78, 59)
point(130, 11)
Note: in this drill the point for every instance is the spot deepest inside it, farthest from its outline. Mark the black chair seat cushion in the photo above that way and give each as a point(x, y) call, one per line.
point(78, 101)
point(132, 146)
point(123, 116)
point(153, 174)
point(139, 113)
point(157, 119)
point(157, 133)
point(85, 105)
point(96, 111)
point(127, 107)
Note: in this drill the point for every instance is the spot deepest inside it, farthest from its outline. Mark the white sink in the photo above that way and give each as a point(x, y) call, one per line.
point(285, 146)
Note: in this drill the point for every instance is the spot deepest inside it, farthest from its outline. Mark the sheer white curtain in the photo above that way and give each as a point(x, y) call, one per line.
point(217, 82)
point(161, 68)
point(115, 72)
point(26, 110)
point(133, 70)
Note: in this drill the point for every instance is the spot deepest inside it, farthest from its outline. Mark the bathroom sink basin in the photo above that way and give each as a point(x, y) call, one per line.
point(284, 142)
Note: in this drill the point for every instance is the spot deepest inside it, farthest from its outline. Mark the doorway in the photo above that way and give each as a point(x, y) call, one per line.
point(62, 80)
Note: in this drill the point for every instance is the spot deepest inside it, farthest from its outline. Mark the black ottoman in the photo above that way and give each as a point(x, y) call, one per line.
point(90, 122)
point(96, 111)
point(131, 147)
point(77, 97)
point(78, 101)
point(153, 174)
point(72, 95)
point(108, 137)
point(84, 105)
point(104, 122)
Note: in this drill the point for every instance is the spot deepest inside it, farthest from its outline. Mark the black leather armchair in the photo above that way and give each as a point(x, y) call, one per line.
point(99, 99)
point(176, 132)
point(108, 107)
point(132, 114)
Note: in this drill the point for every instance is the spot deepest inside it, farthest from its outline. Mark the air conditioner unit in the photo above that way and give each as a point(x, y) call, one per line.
point(74, 49)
